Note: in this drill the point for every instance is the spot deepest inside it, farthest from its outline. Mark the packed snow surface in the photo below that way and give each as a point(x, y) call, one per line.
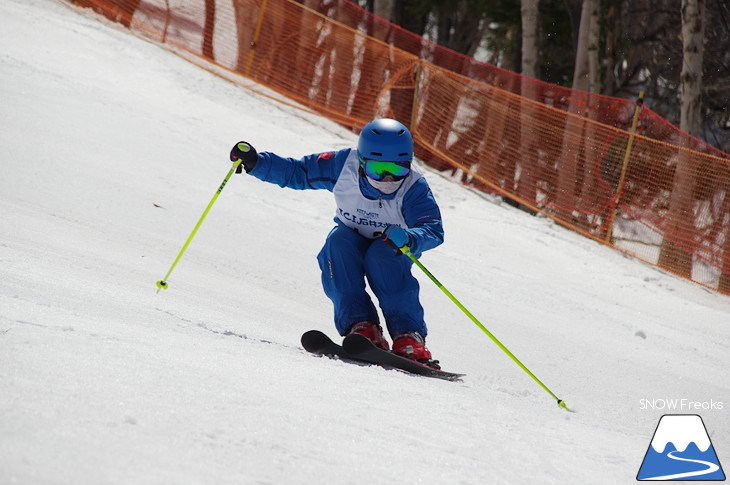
point(112, 147)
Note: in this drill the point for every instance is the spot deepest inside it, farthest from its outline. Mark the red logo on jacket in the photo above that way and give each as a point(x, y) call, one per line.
point(326, 156)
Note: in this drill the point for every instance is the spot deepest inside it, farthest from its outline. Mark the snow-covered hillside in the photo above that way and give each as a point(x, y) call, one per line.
point(110, 149)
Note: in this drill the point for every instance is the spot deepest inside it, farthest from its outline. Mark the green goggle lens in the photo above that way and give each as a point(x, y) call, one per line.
point(379, 170)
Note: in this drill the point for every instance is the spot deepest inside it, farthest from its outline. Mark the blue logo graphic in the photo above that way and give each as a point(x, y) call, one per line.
point(681, 450)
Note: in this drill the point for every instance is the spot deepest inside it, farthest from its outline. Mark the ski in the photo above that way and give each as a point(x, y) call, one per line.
point(319, 343)
point(361, 348)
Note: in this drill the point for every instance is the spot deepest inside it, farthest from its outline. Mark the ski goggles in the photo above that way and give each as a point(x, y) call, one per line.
point(379, 170)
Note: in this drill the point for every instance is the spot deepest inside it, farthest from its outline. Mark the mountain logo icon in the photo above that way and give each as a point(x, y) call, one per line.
point(681, 450)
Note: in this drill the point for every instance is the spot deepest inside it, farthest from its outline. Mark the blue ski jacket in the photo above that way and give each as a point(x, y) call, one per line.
point(321, 171)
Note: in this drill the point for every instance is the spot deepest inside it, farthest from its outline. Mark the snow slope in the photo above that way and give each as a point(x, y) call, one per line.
point(110, 149)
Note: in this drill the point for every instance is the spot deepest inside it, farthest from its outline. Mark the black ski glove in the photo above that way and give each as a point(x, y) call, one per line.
point(244, 151)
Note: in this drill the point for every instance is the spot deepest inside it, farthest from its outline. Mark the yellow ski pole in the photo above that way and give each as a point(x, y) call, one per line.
point(162, 284)
point(407, 251)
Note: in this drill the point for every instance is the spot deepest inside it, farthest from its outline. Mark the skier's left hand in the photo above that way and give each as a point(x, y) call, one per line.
point(396, 236)
point(245, 152)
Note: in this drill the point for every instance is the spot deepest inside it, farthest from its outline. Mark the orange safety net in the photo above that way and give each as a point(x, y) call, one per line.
point(609, 168)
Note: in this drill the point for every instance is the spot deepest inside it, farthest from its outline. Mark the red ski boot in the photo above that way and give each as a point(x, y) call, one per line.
point(372, 331)
point(413, 346)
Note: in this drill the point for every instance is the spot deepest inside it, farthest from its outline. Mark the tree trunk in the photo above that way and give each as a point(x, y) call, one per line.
point(693, 35)
point(594, 33)
point(245, 25)
point(582, 71)
point(384, 9)
point(590, 202)
point(208, 29)
point(529, 141)
point(344, 62)
point(530, 31)
point(676, 255)
point(412, 15)
point(306, 57)
point(459, 27)
point(724, 283)
point(570, 176)
point(609, 57)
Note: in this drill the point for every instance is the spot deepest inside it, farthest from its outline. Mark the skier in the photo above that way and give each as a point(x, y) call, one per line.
point(383, 205)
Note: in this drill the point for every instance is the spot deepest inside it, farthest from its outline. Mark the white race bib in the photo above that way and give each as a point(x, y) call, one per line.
point(368, 217)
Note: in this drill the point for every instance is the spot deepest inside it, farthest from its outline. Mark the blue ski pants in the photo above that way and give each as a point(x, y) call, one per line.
point(347, 259)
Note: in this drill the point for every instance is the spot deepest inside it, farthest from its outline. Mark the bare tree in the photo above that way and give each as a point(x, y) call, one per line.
point(245, 25)
point(460, 25)
point(384, 8)
point(585, 75)
point(529, 140)
point(675, 255)
point(530, 37)
point(594, 34)
point(693, 36)
point(571, 170)
point(208, 29)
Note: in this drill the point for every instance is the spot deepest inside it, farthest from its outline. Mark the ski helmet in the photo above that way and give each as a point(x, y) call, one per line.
point(387, 140)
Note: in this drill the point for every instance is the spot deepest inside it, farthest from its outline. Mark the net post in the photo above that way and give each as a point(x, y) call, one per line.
point(624, 168)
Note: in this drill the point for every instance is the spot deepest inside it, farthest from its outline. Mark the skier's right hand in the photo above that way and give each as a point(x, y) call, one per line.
point(397, 237)
point(246, 153)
